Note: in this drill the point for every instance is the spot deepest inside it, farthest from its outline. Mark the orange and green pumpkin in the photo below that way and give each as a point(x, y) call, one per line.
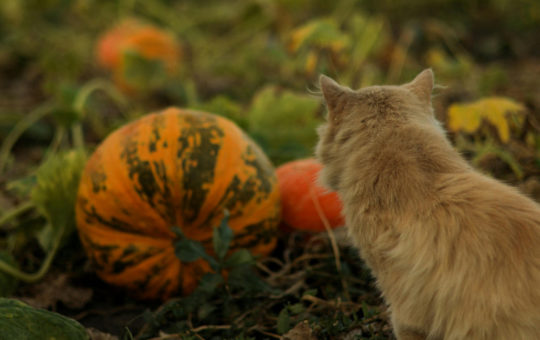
point(148, 45)
point(175, 168)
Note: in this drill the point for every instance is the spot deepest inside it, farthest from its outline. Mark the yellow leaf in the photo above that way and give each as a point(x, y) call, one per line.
point(462, 118)
point(318, 32)
point(494, 110)
point(300, 35)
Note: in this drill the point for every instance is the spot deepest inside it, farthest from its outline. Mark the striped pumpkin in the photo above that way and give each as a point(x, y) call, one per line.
point(174, 168)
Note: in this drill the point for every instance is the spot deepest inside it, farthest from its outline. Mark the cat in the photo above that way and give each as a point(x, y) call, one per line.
point(455, 253)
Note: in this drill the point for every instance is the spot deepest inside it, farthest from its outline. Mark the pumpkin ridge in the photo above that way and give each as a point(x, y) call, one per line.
point(139, 171)
point(250, 158)
point(147, 172)
point(158, 123)
point(120, 186)
point(257, 232)
point(198, 155)
point(144, 282)
point(114, 223)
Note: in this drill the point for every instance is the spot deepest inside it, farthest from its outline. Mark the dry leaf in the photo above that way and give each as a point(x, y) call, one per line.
point(301, 331)
point(354, 334)
point(54, 289)
point(494, 110)
point(99, 335)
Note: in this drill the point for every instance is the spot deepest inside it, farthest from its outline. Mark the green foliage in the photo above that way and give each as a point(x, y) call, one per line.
point(188, 250)
point(283, 321)
point(20, 321)
point(284, 123)
point(226, 107)
point(222, 237)
point(54, 196)
point(247, 302)
point(238, 262)
point(217, 298)
point(8, 283)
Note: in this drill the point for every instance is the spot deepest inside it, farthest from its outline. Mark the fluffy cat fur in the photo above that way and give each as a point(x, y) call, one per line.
point(456, 254)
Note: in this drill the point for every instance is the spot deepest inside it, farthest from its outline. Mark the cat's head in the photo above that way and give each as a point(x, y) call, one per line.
point(357, 118)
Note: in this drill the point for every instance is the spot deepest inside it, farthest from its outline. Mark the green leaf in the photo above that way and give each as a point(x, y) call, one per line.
point(283, 321)
point(284, 123)
point(177, 231)
point(54, 195)
point(238, 258)
point(189, 250)
point(8, 283)
point(297, 308)
point(245, 278)
point(20, 321)
point(209, 282)
point(222, 237)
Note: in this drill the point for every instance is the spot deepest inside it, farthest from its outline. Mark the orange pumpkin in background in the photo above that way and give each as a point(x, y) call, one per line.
point(134, 39)
point(303, 200)
point(174, 168)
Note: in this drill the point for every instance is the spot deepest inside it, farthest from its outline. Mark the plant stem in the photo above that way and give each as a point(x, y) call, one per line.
point(78, 137)
point(15, 211)
point(33, 277)
point(19, 129)
point(333, 241)
point(80, 102)
point(57, 140)
point(92, 86)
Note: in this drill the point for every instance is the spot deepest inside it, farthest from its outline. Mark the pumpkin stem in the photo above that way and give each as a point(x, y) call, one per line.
point(19, 129)
point(33, 277)
point(15, 211)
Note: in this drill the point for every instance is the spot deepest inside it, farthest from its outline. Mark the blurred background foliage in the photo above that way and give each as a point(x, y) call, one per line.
point(71, 71)
point(256, 61)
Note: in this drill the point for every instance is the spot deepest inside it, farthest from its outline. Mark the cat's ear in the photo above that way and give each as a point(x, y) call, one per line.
point(422, 86)
point(333, 93)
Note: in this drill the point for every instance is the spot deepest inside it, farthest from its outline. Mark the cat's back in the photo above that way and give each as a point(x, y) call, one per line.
point(473, 195)
point(492, 249)
point(490, 219)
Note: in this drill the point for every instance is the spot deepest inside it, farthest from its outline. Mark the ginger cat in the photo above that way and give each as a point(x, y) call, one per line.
point(456, 254)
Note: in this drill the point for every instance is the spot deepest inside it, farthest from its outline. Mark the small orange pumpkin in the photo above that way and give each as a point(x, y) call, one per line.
point(304, 203)
point(148, 42)
point(174, 168)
